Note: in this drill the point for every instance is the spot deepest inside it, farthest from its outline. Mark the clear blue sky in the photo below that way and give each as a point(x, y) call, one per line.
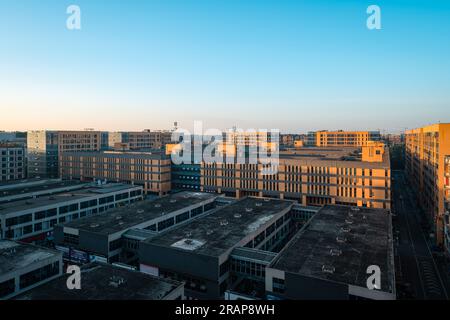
point(291, 65)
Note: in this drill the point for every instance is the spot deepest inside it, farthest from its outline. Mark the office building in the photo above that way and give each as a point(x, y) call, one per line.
point(12, 162)
point(116, 236)
point(146, 139)
point(32, 188)
point(333, 256)
point(210, 254)
point(24, 267)
point(447, 204)
point(312, 176)
point(151, 170)
point(107, 282)
point(426, 150)
point(45, 148)
point(32, 219)
point(342, 138)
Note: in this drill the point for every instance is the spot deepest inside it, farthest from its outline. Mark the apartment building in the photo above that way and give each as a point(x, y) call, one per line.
point(447, 202)
point(12, 162)
point(45, 148)
point(151, 170)
point(342, 138)
point(136, 140)
point(33, 219)
point(312, 176)
point(24, 267)
point(426, 150)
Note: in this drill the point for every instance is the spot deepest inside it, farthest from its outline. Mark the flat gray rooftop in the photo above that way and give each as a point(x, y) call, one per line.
point(126, 217)
point(24, 187)
point(15, 255)
point(105, 282)
point(60, 198)
point(223, 229)
point(339, 243)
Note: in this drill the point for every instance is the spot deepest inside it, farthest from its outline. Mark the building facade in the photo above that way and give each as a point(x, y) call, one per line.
point(312, 176)
point(426, 151)
point(33, 219)
point(146, 169)
point(46, 147)
point(342, 138)
point(136, 140)
point(24, 267)
point(12, 162)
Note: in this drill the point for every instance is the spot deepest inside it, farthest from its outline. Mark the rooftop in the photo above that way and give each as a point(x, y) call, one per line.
point(339, 243)
point(220, 231)
point(15, 255)
point(135, 154)
point(123, 218)
point(27, 188)
point(55, 199)
point(105, 282)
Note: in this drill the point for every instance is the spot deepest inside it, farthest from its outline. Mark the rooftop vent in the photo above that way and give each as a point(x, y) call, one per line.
point(95, 225)
point(158, 205)
point(116, 281)
point(328, 269)
point(266, 200)
point(341, 239)
point(258, 204)
point(348, 221)
point(248, 209)
point(140, 211)
point(173, 200)
point(345, 229)
point(118, 217)
point(224, 223)
point(237, 215)
point(335, 252)
point(209, 232)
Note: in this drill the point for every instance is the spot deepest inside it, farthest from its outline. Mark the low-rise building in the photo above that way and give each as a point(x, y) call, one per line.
point(213, 253)
point(24, 267)
point(32, 220)
point(341, 138)
point(107, 282)
point(334, 256)
point(116, 236)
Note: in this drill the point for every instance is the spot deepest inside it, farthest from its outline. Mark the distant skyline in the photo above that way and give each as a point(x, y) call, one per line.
point(296, 66)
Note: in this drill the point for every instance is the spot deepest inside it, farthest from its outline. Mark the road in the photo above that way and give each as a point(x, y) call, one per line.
point(416, 271)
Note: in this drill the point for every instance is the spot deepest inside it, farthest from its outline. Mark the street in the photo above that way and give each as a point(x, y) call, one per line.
point(417, 274)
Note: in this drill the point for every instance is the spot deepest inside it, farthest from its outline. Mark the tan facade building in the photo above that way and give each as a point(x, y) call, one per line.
point(149, 170)
point(426, 151)
point(447, 202)
point(44, 148)
point(342, 138)
point(312, 176)
point(140, 139)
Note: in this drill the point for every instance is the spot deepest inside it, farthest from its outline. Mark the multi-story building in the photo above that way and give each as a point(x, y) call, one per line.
point(447, 203)
point(107, 282)
point(19, 138)
point(32, 219)
point(136, 140)
point(213, 253)
point(12, 162)
point(24, 267)
point(45, 148)
point(28, 189)
point(312, 176)
point(151, 170)
point(333, 256)
point(116, 236)
point(426, 150)
point(342, 138)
